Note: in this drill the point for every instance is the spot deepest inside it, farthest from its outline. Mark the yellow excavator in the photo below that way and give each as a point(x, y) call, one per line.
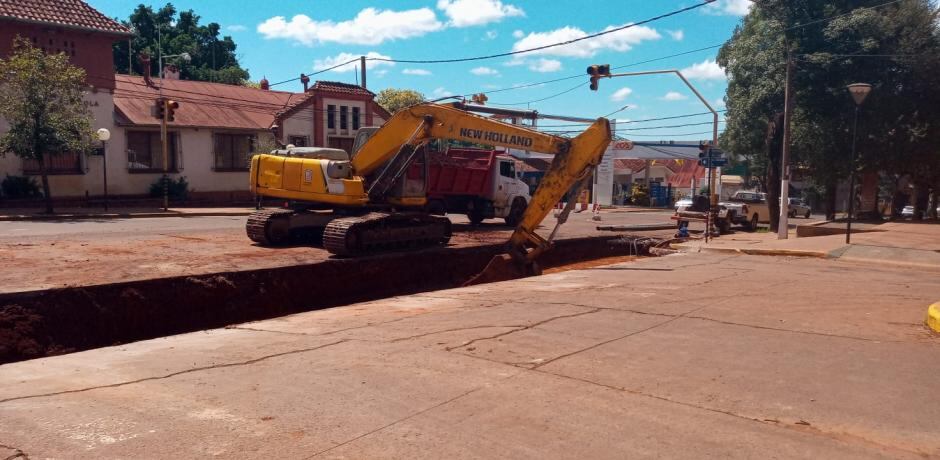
point(373, 200)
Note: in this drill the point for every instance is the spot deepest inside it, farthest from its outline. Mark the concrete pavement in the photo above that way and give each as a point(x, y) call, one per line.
point(897, 243)
point(683, 356)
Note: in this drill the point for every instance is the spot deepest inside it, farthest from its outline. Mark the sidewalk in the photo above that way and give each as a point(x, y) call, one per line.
point(900, 243)
point(683, 356)
point(15, 214)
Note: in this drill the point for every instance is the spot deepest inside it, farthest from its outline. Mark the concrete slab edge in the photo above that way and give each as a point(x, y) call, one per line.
point(933, 317)
point(752, 251)
point(54, 217)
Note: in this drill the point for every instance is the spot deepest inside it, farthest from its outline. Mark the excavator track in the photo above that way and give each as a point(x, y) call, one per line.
point(376, 231)
point(269, 227)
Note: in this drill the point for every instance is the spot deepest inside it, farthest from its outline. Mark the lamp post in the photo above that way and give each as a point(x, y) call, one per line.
point(103, 136)
point(859, 92)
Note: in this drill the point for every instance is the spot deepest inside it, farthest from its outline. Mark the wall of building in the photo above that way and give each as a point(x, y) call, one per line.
point(300, 123)
point(349, 132)
point(86, 49)
point(196, 150)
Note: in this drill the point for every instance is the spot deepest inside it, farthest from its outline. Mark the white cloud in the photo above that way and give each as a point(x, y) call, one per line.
point(545, 65)
point(236, 28)
point(674, 96)
point(622, 40)
point(621, 94)
point(720, 103)
point(326, 63)
point(490, 35)
point(484, 71)
point(441, 92)
point(705, 70)
point(729, 7)
point(518, 33)
point(420, 72)
point(466, 13)
point(381, 72)
point(676, 35)
point(370, 27)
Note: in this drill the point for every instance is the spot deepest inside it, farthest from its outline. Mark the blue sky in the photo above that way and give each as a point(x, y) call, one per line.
point(279, 40)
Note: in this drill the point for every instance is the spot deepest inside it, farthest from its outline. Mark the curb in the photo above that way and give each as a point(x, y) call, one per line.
point(933, 317)
point(54, 217)
point(753, 252)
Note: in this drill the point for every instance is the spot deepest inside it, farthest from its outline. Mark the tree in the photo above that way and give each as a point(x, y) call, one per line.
point(41, 97)
point(394, 100)
point(893, 47)
point(213, 57)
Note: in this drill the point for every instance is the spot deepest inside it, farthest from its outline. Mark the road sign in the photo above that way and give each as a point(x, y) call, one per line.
point(716, 162)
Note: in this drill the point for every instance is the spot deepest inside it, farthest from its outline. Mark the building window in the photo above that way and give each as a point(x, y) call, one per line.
point(331, 116)
point(65, 163)
point(233, 151)
point(355, 117)
point(145, 151)
point(297, 141)
point(343, 117)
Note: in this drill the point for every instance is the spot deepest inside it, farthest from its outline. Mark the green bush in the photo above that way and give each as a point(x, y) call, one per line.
point(20, 187)
point(178, 189)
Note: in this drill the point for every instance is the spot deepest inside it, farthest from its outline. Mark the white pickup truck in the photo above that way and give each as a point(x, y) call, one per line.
point(748, 208)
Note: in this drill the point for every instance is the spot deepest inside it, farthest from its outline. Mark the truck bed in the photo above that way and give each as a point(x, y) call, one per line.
point(460, 172)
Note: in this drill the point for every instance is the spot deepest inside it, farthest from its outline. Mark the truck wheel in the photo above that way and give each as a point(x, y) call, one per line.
point(806, 215)
point(475, 216)
point(792, 215)
point(753, 223)
point(516, 212)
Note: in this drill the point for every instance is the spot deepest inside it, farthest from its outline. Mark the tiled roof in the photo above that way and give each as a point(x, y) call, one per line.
point(338, 87)
point(68, 13)
point(635, 165)
point(202, 104)
point(683, 177)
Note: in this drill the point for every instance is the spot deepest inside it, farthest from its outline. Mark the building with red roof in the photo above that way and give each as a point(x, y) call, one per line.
point(215, 130)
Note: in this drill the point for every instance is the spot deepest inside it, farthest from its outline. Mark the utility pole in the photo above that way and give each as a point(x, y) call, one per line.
point(783, 224)
point(362, 68)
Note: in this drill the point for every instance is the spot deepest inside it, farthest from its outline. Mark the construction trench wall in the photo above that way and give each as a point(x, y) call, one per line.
point(57, 321)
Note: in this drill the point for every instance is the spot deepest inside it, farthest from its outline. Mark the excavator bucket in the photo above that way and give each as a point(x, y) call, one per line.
point(503, 267)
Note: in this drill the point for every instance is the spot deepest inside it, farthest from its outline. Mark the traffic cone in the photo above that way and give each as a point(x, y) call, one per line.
point(558, 208)
point(597, 212)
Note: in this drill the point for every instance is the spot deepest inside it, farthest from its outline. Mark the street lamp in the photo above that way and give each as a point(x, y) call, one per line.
point(859, 92)
point(103, 136)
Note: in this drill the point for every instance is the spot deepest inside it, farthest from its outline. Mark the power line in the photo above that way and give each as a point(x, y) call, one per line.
point(572, 125)
point(579, 85)
point(552, 45)
point(318, 72)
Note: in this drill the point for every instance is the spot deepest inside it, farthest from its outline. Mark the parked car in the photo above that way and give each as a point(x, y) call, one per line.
point(748, 208)
point(799, 208)
point(683, 203)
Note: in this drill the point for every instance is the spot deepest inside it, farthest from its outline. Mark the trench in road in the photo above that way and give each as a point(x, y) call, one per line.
point(64, 320)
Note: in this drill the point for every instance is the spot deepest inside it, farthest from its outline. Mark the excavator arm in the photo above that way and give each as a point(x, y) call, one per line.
point(374, 169)
point(574, 160)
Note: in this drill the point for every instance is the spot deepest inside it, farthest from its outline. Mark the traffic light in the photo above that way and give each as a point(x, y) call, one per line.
point(703, 154)
point(597, 72)
point(160, 109)
point(171, 107)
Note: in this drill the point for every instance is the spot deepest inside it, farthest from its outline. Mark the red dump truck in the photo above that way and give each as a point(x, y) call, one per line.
point(482, 184)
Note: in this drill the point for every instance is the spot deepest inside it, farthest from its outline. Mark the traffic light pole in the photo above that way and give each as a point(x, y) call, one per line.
point(713, 196)
point(166, 159)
